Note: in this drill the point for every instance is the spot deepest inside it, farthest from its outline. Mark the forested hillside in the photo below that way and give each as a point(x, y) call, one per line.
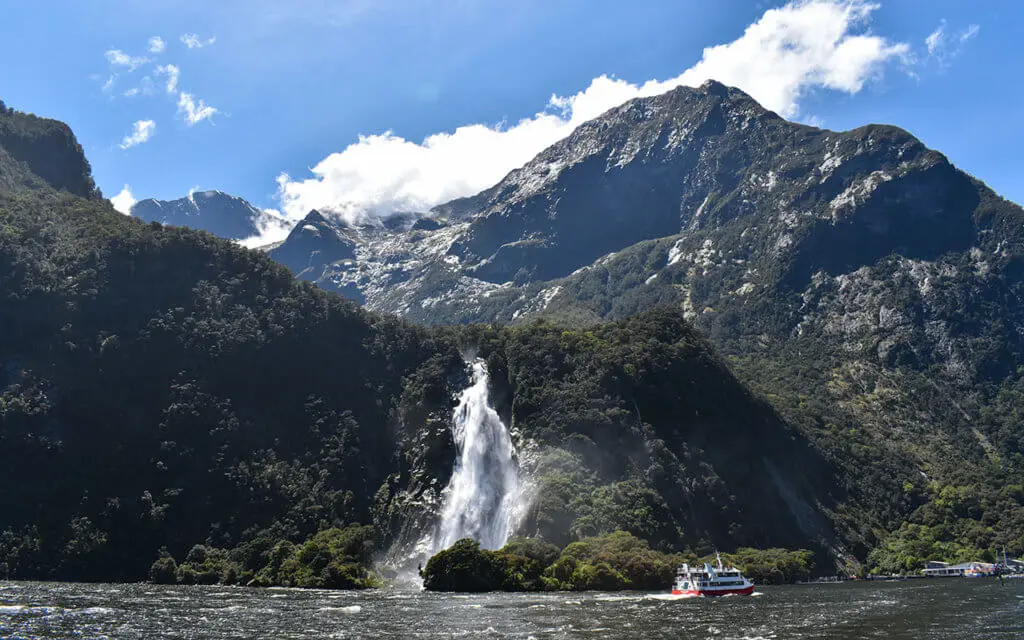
point(160, 387)
point(164, 387)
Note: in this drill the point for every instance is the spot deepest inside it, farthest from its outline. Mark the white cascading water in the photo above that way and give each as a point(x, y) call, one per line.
point(485, 497)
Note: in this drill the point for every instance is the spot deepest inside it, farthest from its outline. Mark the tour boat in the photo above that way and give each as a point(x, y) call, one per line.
point(978, 570)
point(711, 581)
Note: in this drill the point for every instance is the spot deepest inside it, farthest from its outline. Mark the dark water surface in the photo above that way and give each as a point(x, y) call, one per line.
point(952, 608)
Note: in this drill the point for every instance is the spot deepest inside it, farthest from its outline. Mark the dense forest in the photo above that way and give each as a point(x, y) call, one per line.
point(169, 397)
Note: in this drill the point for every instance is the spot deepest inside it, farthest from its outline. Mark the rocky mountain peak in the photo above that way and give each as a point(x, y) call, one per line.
point(317, 219)
point(687, 159)
point(702, 199)
point(214, 211)
point(316, 241)
point(48, 150)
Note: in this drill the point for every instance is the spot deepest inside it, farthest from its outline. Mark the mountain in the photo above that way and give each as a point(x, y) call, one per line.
point(858, 280)
point(220, 214)
point(314, 243)
point(162, 388)
point(678, 166)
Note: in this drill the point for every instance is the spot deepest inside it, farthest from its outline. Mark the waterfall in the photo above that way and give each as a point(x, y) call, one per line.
point(484, 499)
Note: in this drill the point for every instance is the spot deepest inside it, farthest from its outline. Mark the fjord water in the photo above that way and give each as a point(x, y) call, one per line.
point(947, 609)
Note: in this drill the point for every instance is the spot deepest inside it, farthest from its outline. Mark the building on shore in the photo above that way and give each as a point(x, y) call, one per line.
point(966, 569)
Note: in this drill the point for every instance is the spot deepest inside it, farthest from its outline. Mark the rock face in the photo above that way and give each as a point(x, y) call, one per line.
point(728, 187)
point(316, 243)
point(44, 149)
point(702, 199)
point(858, 279)
point(219, 213)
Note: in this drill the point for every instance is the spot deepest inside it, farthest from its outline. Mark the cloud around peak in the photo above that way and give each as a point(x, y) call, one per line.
point(788, 51)
point(124, 201)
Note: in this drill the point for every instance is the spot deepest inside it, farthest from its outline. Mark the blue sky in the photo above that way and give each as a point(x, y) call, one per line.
point(294, 82)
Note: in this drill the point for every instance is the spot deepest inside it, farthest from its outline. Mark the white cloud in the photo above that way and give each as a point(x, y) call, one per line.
point(172, 72)
point(157, 44)
point(942, 47)
point(193, 111)
point(109, 84)
point(142, 131)
point(131, 93)
point(936, 38)
point(271, 226)
point(124, 201)
point(118, 58)
point(193, 41)
point(969, 32)
point(803, 45)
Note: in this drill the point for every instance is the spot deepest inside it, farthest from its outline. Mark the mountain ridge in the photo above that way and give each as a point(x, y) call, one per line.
point(858, 279)
point(219, 213)
point(162, 388)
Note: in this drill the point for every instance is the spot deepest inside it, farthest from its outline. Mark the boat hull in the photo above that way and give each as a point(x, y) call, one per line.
point(744, 591)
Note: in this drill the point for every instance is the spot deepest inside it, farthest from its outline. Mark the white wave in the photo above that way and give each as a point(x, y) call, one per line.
point(351, 609)
point(617, 598)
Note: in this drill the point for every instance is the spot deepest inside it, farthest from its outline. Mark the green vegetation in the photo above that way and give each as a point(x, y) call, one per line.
point(613, 562)
point(644, 429)
point(973, 520)
point(773, 566)
point(331, 559)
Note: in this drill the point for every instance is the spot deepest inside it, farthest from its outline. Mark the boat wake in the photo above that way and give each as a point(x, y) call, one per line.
point(670, 597)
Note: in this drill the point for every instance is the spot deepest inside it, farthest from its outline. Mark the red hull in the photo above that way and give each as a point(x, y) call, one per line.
point(746, 591)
